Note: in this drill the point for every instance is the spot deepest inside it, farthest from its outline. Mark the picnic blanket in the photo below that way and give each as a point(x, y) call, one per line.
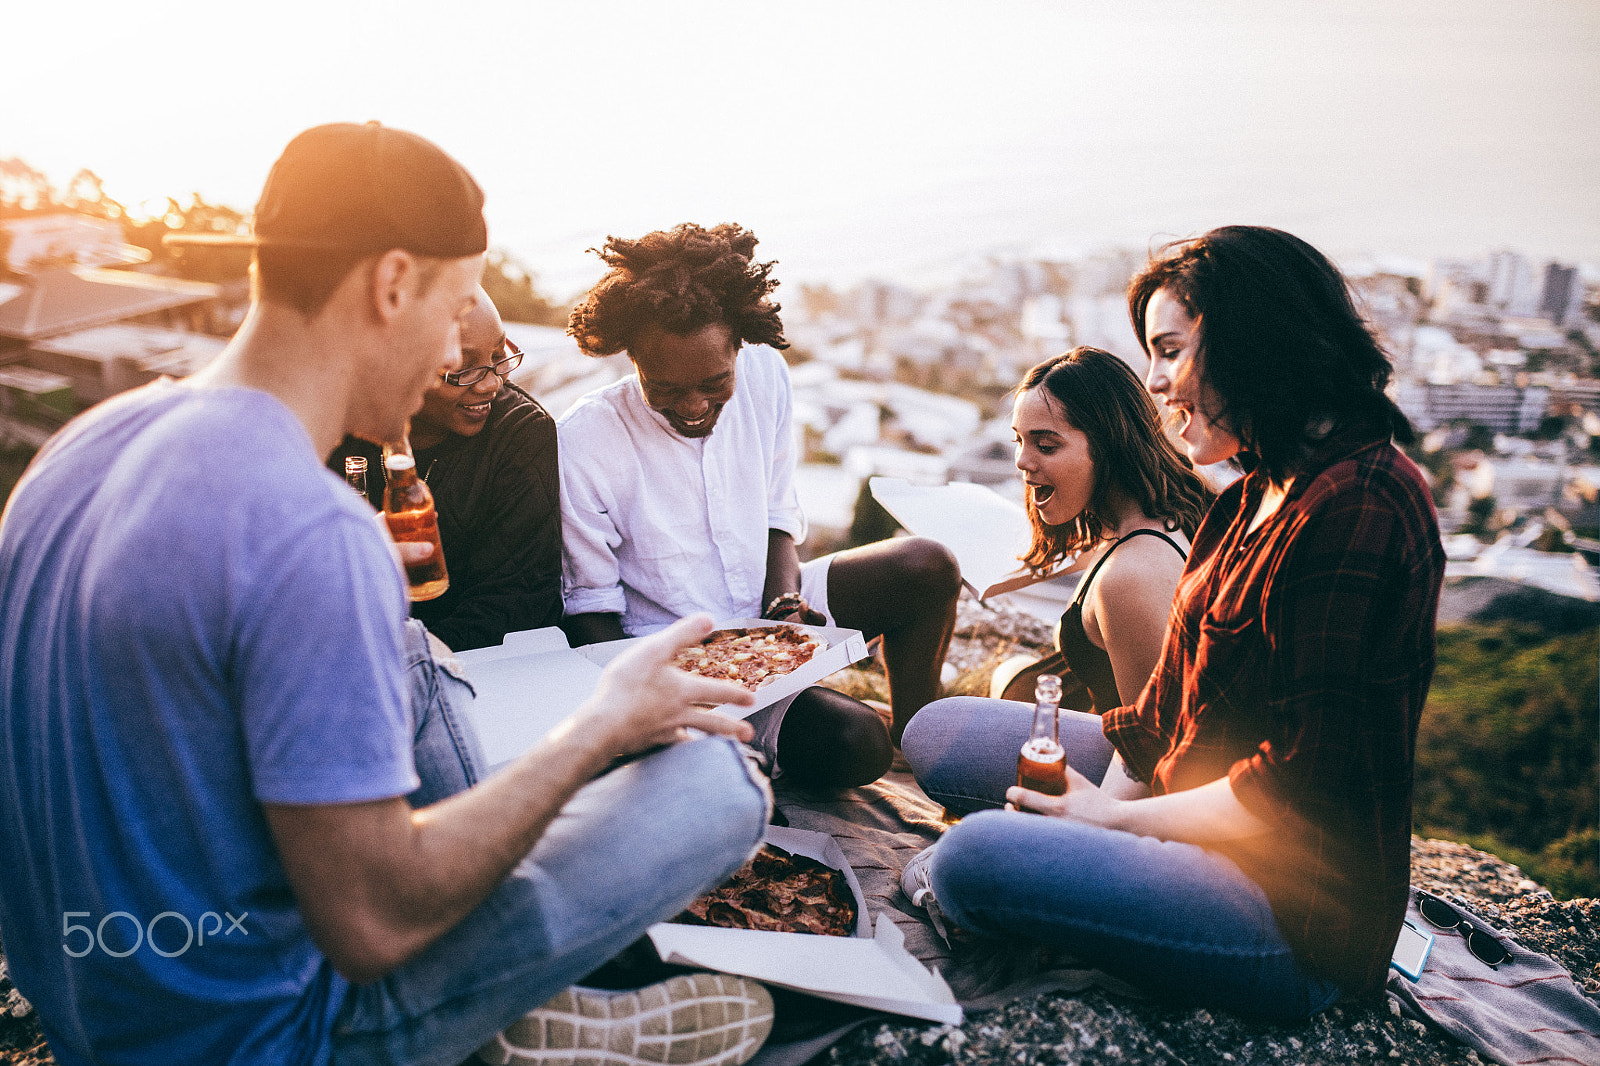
point(879, 827)
point(1525, 1011)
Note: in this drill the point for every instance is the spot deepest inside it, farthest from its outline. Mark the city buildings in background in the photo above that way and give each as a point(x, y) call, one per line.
point(1497, 362)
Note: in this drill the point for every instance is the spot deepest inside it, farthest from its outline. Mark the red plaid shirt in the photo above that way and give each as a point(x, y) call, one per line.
point(1296, 663)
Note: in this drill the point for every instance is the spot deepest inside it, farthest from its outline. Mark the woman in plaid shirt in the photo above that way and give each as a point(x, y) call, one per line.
point(1248, 847)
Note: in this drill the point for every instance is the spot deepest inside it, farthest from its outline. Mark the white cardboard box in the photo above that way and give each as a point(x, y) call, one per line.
point(987, 533)
point(531, 681)
point(870, 969)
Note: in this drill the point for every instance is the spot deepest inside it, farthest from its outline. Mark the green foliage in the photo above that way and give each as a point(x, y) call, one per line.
point(13, 461)
point(1479, 511)
point(1509, 744)
point(513, 288)
point(1569, 867)
point(870, 523)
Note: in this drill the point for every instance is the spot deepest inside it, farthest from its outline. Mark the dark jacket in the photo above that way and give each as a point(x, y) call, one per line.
point(499, 501)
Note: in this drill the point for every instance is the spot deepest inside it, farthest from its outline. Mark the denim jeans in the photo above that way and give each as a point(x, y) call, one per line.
point(1175, 919)
point(963, 749)
point(631, 848)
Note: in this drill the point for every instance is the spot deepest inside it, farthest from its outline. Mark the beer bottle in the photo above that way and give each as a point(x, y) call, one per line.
point(355, 473)
point(1042, 766)
point(408, 508)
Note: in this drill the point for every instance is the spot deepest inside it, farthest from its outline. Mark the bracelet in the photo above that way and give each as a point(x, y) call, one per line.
point(785, 603)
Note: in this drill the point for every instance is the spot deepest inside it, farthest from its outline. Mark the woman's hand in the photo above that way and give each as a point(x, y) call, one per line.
point(1202, 815)
point(1082, 802)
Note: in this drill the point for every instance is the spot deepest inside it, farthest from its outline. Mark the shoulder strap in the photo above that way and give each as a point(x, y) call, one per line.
point(1083, 586)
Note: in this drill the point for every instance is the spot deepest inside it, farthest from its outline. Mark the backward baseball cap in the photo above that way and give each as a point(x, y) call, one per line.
point(364, 188)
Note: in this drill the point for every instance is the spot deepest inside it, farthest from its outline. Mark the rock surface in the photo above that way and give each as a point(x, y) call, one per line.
point(1095, 1028)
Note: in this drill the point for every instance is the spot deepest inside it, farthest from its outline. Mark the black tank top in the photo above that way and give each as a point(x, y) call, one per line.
point(1091, 664)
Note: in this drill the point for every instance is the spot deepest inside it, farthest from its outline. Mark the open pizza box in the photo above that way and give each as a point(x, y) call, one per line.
point(870, 969)
point(987, 533)
point(532, 680)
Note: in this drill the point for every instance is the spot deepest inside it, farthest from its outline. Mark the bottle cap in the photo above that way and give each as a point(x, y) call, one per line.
point(399, 462)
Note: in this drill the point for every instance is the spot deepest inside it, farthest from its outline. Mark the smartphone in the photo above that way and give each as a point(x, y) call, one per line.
point(1411, 951)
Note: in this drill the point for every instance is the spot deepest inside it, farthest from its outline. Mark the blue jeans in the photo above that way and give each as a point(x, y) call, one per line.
point(1175, 919)
point(631, 848)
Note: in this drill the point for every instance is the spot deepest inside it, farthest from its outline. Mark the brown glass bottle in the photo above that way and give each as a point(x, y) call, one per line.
point(408, 508)
point(1042, 765)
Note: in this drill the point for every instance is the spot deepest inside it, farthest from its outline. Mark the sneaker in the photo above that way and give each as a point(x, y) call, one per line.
point(919, 890)
point(696, 1019)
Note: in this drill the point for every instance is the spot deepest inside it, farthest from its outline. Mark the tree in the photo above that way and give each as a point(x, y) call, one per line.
point(1510, 739)
point(513, 288)
point(23, 189)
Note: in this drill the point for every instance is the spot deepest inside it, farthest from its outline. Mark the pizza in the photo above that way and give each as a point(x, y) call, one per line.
point(752, 657)
point(781, 893)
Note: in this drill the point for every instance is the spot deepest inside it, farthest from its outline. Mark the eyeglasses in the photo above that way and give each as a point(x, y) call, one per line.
point(501, 367)
point(1485, 948)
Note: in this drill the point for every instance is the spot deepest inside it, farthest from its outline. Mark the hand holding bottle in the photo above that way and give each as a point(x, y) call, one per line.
point(408, 508)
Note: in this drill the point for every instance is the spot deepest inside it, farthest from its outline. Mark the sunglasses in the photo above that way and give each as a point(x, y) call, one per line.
point(501, 367)
point(1485, 948)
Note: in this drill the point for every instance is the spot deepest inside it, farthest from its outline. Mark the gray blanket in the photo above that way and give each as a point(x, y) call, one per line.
point(1526, 1010)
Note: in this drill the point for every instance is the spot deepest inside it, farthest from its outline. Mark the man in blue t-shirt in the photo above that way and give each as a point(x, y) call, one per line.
point(241, 818)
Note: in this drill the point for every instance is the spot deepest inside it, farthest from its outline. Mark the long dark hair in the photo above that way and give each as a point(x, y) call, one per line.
point(680, 281)
point(1099, 395)
point(1282, 343)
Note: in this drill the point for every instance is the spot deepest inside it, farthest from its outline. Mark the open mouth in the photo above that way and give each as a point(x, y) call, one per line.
point(690, 427)
point(1041, 493)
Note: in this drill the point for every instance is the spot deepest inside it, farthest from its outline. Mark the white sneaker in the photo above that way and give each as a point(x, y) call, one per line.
point(919, 890)
point(697, 1019)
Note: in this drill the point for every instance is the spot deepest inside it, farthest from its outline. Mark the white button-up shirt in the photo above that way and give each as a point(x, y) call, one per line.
point(656, 526)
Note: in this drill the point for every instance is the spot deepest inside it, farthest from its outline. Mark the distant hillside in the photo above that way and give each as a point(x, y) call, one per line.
point(1508, 754)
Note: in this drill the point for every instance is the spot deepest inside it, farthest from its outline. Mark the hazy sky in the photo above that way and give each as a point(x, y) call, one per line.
point(864, 137)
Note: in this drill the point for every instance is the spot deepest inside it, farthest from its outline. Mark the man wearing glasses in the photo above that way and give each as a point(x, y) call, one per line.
point(488, 452)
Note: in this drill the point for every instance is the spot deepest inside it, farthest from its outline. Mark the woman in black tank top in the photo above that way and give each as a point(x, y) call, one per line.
point(1103, 478)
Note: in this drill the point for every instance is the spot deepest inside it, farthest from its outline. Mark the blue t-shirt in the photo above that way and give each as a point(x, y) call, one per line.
point(199, 618)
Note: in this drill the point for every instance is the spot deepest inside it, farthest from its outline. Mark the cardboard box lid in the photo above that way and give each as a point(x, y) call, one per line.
point(532, 680)
point(879, 974)
point(987, 533)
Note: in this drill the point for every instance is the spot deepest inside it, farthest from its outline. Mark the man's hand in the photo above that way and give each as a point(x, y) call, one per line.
point(803, 613)
point(411, 552)
point(642, 700)
point(378, 881)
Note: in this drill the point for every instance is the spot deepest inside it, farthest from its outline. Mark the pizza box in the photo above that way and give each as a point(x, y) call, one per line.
point(987, 533)
point(870, 969)
point(532, 680)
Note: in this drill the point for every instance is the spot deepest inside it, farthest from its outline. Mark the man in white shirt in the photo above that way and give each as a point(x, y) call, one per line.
point(677, 496)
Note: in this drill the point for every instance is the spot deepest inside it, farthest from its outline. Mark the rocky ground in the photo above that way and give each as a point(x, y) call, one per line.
point(1096, 1028)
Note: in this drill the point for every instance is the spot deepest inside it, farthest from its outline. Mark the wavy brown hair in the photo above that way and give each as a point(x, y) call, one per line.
point(1282, 342)
point(679, 280)
point(1098, 394)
